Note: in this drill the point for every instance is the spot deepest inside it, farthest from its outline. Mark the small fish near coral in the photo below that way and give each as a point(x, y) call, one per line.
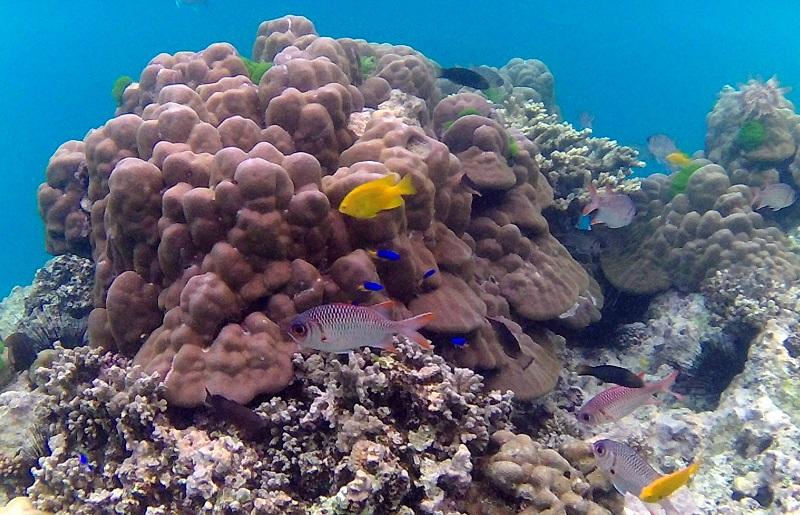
point(246, 420)
point(630, 473)
point(387, 254)
point(465, 77)
point(661, 145)
point(341, 328)
point(774, 196)
point(611, 208)
point(679, 159)
point(371, 286)
point(368, 199)
point(620, 401)
point(612, 374)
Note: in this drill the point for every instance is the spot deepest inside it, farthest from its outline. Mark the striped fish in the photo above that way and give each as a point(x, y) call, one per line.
point(628, 471)
point(620, 401)
point(341, 328)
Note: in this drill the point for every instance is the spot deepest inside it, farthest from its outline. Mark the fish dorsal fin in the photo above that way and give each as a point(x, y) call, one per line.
point(385, 307)
point(388, 180)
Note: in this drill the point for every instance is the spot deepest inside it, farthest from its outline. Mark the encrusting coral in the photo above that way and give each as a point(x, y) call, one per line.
point(209, 204)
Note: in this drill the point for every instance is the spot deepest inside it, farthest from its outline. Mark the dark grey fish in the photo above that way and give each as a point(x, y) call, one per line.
point(465, 77)
point(492, 77)
point(612, 374)
point(246, 420)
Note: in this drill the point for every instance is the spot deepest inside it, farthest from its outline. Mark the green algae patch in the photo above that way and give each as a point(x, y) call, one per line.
point(680, 179)
point(256, 69)
point(118, 89)
point(751, 135)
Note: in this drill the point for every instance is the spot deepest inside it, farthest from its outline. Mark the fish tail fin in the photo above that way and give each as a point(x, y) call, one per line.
point(692, 468)
point(406, 186)
point(409, 327)
point(665, 385)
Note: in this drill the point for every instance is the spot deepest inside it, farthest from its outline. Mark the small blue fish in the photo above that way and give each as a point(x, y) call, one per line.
point(458, 341)
point(386, 254)
point(371, 286)
point(85, 462)
point(584, 223)
point(429, 273)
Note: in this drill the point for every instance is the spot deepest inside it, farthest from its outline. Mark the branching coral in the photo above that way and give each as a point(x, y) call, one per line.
point(569, 158)
point(376, 434)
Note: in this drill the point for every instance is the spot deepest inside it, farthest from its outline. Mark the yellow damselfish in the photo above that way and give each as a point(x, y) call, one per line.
point(668, 483)
point(679, 159)
point(370, 198)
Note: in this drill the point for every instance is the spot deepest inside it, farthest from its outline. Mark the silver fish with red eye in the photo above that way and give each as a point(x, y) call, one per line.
point(341, 328)
point(614, 403)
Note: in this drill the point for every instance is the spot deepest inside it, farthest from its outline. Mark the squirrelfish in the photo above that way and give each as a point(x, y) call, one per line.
point(341, 328)
point(370, 198)
point(611, 208)
point(774, 196)
point(630, 473)
point(617, 402)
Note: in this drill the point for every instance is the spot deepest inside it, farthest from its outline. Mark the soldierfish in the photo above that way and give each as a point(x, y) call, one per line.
point(774, 196)
point(612, 208)
point(628, 471)
point(341, 328)
point(620, 401)
point(370, 198)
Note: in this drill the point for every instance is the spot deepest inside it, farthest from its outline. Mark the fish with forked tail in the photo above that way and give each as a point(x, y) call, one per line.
point(630, 473)
point(617, 402)
point(612, 374)
point(341, 328)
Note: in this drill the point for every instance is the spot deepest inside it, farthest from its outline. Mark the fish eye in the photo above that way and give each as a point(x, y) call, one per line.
point(600, 449)
point(585, 417)
point(298, 329)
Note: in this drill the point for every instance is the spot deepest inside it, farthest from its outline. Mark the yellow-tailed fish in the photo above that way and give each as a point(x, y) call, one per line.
point(663, 487)
point(628, 471)
point(679, 159)
point(370, 198)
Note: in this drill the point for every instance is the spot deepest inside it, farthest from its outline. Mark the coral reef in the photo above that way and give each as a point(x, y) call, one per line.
point(209, 204)
point(751, 132)
point(683, 240)
point(54, 309)
point(569, 158)
point(377, 433)
point(523, 476)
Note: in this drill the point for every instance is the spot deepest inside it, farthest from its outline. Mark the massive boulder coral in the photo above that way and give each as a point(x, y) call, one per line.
point(335, 441)
point(752, 132)
point(708, 228)
point(211, 205)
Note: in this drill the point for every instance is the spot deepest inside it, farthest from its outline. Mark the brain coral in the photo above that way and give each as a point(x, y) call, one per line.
point(708, 228)
point(210, 208)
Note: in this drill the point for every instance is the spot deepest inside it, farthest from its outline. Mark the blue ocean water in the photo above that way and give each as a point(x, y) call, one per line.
point(638, 67)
